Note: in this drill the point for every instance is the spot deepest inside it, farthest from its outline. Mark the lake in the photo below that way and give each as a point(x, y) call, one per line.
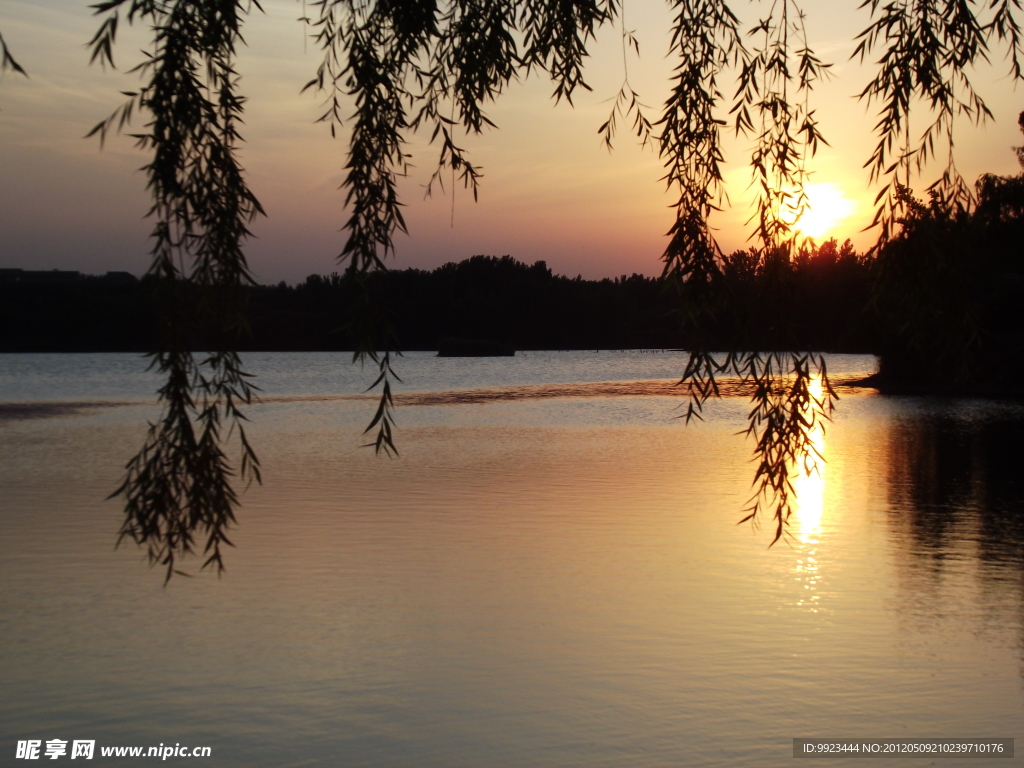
point(550, 574)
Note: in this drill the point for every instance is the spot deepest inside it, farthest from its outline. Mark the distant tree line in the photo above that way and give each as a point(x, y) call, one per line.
point(817, 300)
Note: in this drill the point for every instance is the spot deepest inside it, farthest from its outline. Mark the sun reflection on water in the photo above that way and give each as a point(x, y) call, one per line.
point(809, 488)
point(809, 477)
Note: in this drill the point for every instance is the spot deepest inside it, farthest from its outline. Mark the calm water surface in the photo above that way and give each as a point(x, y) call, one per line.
point(549, 575)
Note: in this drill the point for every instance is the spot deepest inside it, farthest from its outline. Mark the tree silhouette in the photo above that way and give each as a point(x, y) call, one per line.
point(948, 287)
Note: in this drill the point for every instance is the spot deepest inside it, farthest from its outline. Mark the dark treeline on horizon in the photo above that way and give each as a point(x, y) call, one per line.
point(817, 300)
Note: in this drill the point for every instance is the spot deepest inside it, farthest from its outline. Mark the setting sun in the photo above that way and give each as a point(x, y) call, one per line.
point(827, 208)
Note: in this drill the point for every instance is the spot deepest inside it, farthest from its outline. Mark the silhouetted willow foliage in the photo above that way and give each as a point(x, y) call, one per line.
point(7, 61)
point(179, 484)
point(928, 51)
point(395, 66)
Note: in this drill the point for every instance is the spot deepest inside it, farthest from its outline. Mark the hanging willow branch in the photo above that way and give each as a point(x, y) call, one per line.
point(772, 103)
point(706, 39)
point(928, 50)
point(775, 84)
point(626, 103)
point(179, 485)
point(7, 60)
point(786, 413)
point(401, 63)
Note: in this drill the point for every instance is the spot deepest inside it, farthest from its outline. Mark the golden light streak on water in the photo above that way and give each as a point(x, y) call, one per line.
point(809, 476)
point(809, 486)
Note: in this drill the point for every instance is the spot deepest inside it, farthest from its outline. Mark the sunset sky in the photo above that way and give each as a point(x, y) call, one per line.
point(550, 190)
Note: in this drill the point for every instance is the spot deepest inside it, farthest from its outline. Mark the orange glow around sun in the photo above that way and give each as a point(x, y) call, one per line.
point(827, 209)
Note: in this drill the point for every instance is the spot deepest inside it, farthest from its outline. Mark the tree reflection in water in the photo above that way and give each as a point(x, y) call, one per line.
point(956, 506)
point(952, 476)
